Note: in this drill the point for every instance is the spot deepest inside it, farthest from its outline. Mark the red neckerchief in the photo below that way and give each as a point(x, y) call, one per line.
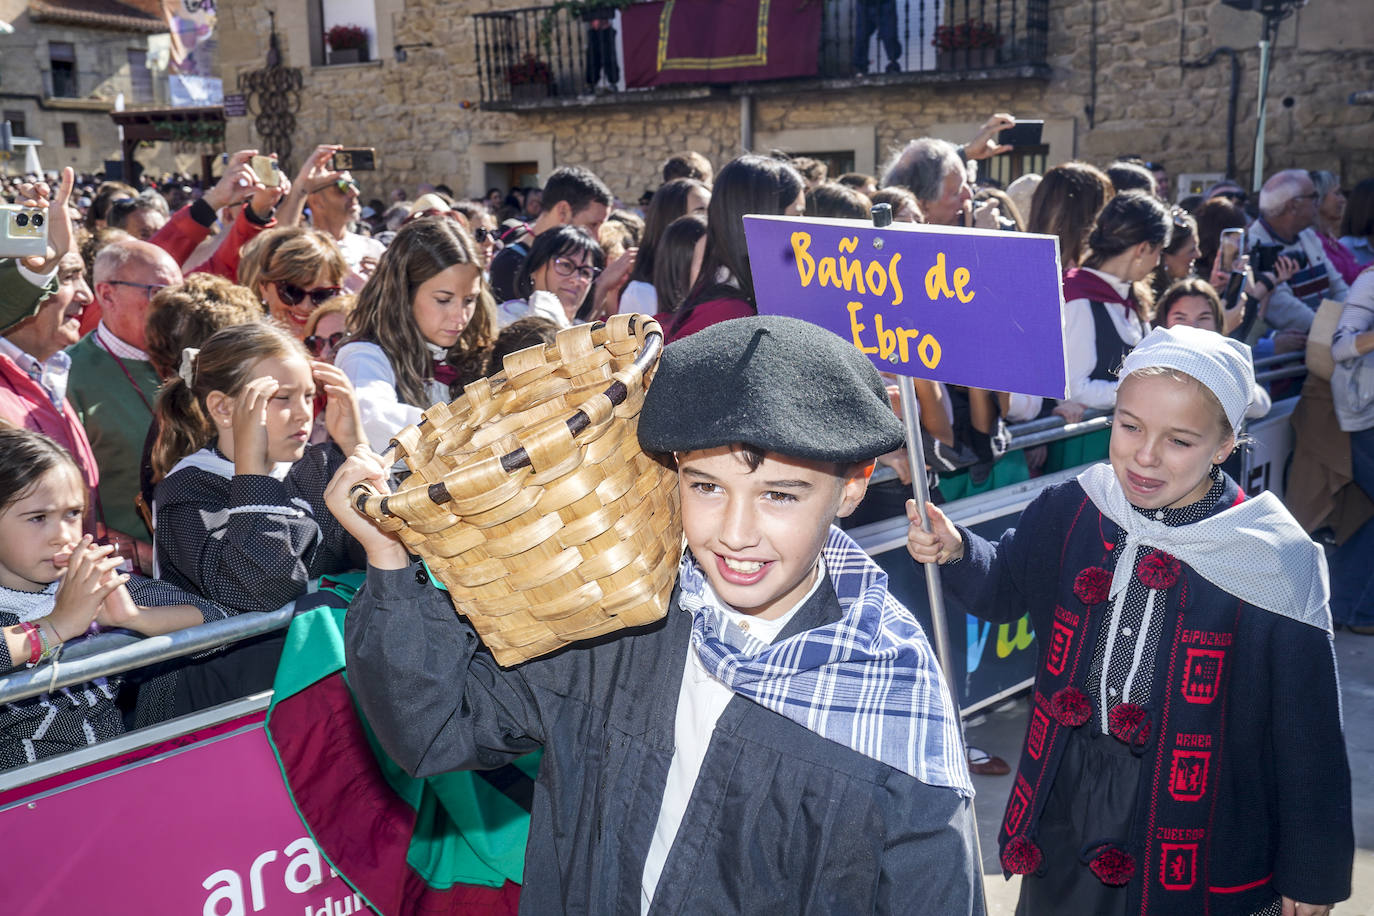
point(1080, 283)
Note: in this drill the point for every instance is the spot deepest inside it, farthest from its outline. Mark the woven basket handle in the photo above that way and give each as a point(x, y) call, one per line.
point(367, 500)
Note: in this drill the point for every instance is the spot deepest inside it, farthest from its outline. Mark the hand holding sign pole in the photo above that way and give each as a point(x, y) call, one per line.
point(962, 306)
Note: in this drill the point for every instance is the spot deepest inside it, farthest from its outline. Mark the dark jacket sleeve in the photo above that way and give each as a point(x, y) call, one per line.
point(436, 701)
point(1001, 580)
point(1316, 841)
point(249, 554)
point(936, 842)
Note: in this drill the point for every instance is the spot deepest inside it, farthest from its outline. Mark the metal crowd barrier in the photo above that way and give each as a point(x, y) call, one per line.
point(108, 654)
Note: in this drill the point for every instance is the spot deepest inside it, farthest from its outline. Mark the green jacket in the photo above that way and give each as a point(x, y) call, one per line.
point(116, 413)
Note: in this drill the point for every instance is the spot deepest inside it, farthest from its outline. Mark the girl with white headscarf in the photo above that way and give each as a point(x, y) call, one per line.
point(1184, 752)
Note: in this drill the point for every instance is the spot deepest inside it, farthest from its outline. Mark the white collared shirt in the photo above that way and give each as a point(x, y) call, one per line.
point(1080, 343)
point(51, 376)
point(701, 701)
point(107, 341)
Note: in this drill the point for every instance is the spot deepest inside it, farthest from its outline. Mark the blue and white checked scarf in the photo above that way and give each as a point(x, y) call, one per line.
point(869, 681)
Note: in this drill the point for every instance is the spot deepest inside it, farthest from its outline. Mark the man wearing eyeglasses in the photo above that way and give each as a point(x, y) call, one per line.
point(1288, 209)
point(113, 385)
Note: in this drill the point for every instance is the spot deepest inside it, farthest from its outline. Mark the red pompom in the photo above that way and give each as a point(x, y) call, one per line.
point(1130, 724)
point(1157, 570)
point(1070, 707)
point(1113, 866)
point(1093, 585)
point(1021, 857)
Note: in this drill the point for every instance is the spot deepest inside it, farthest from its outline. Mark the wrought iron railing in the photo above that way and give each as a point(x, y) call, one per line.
point(540, 54)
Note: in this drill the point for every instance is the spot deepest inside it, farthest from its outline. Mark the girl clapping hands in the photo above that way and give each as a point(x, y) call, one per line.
point(54, 583)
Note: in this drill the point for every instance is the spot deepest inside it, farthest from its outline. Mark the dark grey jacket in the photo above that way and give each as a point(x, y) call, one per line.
point(781, 821)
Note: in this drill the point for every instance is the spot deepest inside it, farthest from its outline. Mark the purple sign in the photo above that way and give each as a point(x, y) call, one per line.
point(963, 306)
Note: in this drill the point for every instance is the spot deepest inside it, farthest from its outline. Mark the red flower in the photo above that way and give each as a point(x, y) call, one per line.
point(1129, 724)
point(1157, 570)
point(1113, 866)
point(1021, 857)
point(1093, 585)
point(1070, 707)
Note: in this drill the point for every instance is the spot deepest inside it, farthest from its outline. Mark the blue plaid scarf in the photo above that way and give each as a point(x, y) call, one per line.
point(869, 681)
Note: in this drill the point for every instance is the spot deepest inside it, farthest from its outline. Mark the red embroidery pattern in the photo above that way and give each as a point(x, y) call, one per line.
point(1039, 728)
point(1061, 638)
point(1188, 774)
point(1070, 707)
point(1177, 865)
point(1157, 570)
point(1202, 675)
point(1092, 585)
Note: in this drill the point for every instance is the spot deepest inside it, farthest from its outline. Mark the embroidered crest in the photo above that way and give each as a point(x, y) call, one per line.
point(1202, 675)
point(1188, 774)
point(1039, 728)
point(1017, 805)
point(1061, 638)
point(1177, 866)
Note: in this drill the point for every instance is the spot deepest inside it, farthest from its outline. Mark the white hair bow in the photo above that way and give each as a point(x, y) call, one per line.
point(187, 370)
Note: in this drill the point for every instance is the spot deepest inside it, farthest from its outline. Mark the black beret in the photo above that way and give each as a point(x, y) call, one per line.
point(779, 384)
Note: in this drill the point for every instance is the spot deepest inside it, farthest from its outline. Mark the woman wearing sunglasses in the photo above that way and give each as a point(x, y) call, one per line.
point(293, 271)
point(327, 327)
point(562, 266)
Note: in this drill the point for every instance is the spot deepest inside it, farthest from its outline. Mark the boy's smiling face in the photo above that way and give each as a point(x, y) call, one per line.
point(756, 532)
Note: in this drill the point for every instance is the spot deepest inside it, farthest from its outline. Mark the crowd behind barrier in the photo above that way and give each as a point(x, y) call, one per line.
point(179, 341)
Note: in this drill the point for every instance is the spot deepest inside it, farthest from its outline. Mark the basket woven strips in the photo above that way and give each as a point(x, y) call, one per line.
point(530, 498)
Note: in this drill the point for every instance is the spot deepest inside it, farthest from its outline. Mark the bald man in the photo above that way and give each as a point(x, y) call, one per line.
point(113, 385)
point(1288, 209)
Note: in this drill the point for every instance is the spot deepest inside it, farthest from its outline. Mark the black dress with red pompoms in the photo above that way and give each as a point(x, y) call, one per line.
point(1088, 816)
point(1184, 752)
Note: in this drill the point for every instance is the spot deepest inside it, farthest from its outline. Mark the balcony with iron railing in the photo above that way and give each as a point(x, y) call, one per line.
point(555, 56)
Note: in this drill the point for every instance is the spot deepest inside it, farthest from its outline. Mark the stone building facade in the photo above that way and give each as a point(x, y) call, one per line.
point(1110, 81)
point(61, 69)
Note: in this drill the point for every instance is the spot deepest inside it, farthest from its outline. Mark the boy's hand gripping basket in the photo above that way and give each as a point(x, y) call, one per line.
point(531, 500)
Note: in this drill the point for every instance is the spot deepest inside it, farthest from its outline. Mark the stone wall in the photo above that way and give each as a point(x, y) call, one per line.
point(423, 117)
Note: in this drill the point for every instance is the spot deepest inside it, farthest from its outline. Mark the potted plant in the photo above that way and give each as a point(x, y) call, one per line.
point(968, 45)
point(347, 44)
point(529, 79)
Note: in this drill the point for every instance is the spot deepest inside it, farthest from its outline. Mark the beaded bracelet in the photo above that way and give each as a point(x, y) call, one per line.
point(47, 646)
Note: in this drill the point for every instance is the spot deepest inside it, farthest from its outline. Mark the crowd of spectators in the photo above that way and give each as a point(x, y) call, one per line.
point(206, 355)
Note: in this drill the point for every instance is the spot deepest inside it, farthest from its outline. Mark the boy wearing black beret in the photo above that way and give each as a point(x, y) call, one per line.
point(782, 741)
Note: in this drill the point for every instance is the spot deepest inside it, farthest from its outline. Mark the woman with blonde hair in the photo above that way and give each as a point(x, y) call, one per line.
point(293, 270)
point(424, 309)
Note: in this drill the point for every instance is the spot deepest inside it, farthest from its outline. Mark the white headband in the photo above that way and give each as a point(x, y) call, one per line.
point(187, 370)
point(1221, 364)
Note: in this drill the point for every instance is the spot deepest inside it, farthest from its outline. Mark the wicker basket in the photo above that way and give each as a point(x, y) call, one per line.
point(531, 500)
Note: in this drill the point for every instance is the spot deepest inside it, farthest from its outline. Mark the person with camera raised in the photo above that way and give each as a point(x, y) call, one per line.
point(1288, 209)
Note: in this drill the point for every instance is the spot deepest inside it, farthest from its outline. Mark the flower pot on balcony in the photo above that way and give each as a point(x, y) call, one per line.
point(348, 56)
point(529, 92)
point(966, 58)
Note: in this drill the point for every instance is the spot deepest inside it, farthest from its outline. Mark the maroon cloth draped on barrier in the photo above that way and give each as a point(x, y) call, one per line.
point(720, 41)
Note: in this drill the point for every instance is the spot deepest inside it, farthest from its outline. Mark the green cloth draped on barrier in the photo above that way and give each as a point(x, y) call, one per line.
point(464, 833)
